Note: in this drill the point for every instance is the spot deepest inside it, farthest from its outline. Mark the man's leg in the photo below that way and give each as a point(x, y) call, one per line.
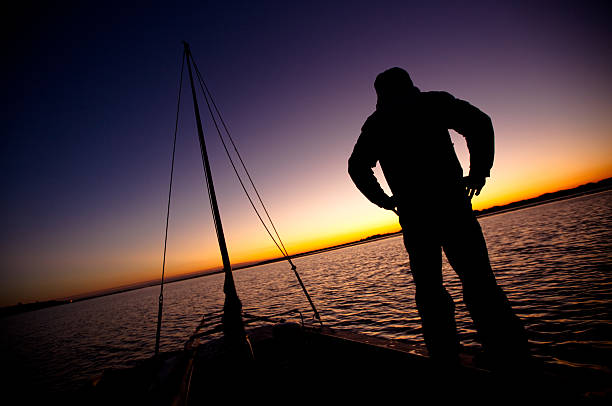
point(435, 305)
point(501, 332)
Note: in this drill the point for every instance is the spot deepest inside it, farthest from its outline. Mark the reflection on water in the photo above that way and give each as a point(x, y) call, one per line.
point(554, 261)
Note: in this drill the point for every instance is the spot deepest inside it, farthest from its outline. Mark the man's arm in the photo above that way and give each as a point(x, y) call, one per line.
point(477, 129)
point(360, 164)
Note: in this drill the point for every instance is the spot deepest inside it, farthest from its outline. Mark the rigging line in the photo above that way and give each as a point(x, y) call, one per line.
point(283, 250)
point(203, 83)
point(210, 199)
point(236, 170)
point(293, 267)
point(230, 157)
point(161, 292)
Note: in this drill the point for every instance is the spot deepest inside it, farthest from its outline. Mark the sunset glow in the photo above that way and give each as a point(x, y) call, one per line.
point(86, 151)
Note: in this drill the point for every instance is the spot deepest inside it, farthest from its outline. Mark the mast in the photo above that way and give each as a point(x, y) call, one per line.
point(233, 325)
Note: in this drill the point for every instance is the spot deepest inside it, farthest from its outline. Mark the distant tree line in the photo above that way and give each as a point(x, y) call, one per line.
point(588, 188)
point(20, 307)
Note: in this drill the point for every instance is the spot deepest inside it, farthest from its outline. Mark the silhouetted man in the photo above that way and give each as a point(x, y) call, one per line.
point(408, 135)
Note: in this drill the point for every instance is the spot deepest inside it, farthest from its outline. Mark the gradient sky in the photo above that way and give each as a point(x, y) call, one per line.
point(90, 99)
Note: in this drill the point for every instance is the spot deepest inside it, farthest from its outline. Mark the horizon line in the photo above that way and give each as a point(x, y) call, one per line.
point(548, 197)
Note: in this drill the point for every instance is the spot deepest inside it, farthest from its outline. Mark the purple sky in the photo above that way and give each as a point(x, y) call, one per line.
point(91, 95)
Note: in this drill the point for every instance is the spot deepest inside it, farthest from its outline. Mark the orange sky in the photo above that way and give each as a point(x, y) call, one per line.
point(130, 251)
point(87, 152)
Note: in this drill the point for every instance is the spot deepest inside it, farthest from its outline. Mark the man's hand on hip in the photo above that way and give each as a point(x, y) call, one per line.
point(473, 185)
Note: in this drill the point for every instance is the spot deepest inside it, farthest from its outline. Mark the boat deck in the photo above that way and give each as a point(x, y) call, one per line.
point(322, 363)
point(297, 364)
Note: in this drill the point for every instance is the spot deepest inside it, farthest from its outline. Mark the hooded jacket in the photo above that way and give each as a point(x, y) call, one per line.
point(409, 136)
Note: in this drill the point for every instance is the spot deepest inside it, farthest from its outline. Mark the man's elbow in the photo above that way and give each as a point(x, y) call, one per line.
point(357, 170)
point(488, 124)
point(353, 166)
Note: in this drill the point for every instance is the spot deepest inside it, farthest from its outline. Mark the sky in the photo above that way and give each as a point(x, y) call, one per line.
point(91, 95)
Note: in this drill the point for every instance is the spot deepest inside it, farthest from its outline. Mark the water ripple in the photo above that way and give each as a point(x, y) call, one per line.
point(554, 261)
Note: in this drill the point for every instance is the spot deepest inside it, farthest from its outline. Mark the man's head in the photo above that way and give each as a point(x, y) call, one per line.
point(393, 85)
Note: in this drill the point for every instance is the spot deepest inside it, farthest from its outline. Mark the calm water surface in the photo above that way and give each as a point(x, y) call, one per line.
point(554, 261)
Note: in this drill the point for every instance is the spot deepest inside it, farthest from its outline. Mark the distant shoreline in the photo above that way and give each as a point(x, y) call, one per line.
point(586, 189)
point(582, 190)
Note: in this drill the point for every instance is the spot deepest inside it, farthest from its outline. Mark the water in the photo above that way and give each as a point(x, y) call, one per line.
point(554, 261)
